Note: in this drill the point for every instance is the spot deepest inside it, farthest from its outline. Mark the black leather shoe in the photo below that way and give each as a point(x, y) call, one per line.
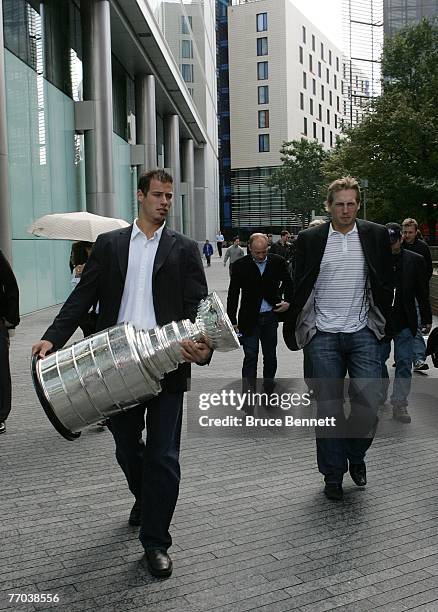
point(358, 473)
point(333, 490)
point(135, 515)
point(159, 562)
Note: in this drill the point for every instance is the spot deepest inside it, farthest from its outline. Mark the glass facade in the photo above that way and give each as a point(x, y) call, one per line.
point(398, 14)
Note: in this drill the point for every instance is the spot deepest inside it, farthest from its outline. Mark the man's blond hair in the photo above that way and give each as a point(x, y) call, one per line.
point(346, 182)
point(409, 221)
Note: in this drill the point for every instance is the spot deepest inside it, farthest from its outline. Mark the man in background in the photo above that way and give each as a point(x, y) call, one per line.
point(234, 252)
point(219, 243)
point(411, 242)
point(9, 319)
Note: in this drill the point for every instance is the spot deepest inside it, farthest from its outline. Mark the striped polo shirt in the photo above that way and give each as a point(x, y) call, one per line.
point(341, 297)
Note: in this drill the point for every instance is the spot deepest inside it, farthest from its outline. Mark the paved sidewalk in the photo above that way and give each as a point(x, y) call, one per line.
point(252, 529)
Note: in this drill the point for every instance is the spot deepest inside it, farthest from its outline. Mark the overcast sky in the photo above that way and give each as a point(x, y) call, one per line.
point(326, 15)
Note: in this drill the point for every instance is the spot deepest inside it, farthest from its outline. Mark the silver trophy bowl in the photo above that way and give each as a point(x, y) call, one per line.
point(121, 367)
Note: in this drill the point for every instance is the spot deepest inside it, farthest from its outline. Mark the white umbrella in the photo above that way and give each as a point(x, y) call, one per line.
point(74, 226)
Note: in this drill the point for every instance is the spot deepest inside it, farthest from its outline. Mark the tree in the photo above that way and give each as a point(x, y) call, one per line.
point(395, 146)
point(300, 177)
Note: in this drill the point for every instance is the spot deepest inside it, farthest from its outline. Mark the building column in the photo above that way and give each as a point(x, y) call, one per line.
point(188, 177)
point(99, 172)
point(5, 202)
point(146, 120)
point(172, 162)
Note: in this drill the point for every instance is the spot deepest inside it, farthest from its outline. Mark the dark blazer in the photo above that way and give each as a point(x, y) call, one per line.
point(420, 247)
point(415, 285)
point(9, 294)
point(273, 285)
point(310, 246)
point(178, 284)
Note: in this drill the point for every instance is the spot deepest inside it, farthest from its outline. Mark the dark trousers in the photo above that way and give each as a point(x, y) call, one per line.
point(330, 357)
point(152, 468)
point(208, 258)
point(219, 248)
point(5, 374)
point(265, 333)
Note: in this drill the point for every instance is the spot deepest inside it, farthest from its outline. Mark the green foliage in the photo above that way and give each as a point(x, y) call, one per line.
point(300, 177)
point(395, 146)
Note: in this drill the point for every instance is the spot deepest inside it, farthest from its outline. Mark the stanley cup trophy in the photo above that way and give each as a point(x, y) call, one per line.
point(120, 367)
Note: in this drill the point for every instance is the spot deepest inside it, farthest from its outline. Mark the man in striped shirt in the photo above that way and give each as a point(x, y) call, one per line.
point(339, 314)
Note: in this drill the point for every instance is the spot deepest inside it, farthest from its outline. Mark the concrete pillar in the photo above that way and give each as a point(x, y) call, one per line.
point(146, 120)
point(188, 177)
point(172, 162)
point(99, 172)
point(5, 202)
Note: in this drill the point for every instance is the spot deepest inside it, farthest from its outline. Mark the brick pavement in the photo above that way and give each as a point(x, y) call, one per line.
point(252, 529)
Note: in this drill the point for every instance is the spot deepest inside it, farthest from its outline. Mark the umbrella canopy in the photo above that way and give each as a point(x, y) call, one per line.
point(74, 226)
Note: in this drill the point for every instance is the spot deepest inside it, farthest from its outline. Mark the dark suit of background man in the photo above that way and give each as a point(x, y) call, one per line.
point(265, 287)
point(146, 274)
point(411, 286)
point(9, 318)
point(340, 307)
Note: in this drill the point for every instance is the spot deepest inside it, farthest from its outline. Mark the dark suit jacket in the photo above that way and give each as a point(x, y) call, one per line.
point(273, 285)
point(9, 295)
point(178, 284)
point(415, 285)
point(310, 246)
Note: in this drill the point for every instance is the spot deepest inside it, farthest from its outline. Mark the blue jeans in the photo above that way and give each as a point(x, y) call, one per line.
point(419, 345)
point(330, 357)
point(403, 352)
point(265, 333)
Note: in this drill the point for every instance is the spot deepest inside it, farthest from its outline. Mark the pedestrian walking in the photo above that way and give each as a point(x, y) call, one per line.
point(264, 286)
point(207, 249)
point(147, 274)
point(339, 312)
point(234, 252)
point(219, 243)
point(9, 319)
point(412, 242)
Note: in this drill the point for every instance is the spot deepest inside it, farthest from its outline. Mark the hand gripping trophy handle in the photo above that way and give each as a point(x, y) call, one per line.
point(121, 367)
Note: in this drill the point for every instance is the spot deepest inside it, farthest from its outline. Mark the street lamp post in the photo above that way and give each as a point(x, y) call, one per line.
point(364, 185)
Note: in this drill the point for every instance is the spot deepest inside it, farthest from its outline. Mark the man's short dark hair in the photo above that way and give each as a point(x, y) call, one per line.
point(394, 231)
point(144, 181)
point(284, 232)
point(236, 238)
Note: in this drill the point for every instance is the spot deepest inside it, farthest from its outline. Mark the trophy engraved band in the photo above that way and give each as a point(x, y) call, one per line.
point(121, 367)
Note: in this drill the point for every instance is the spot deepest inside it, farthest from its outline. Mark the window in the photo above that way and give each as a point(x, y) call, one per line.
point(263, 93)
point(322, 92)
point(331, 98)
point(311, 106)
point(337, 64)
point(314, 130)
point(336, 120)
point(313, 42)
point(304, 80)
point(262, 70)
point(263, 119)
point(187, 72)
point(262, 46)
point(337, 103)
point(320, 112)
point(301, 55)
point(187, 49)
point(327, 75)
point(314, 86)
point(319, 69)
point(323, 134)
point(305, 126)
point(263, 143)
point(330, 58)
point(304, 35)
point(262, 22)
point(310, 62)
point(328, 117)
point(186, 24)
point(302, 101)
point(335, 81)
point(322, 51)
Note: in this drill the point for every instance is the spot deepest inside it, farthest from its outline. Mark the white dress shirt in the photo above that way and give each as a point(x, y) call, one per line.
point(137, 305)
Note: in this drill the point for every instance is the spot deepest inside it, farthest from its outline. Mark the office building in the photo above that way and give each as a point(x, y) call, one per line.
point(94, 93)
point(398, 14)
point(285, 81)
